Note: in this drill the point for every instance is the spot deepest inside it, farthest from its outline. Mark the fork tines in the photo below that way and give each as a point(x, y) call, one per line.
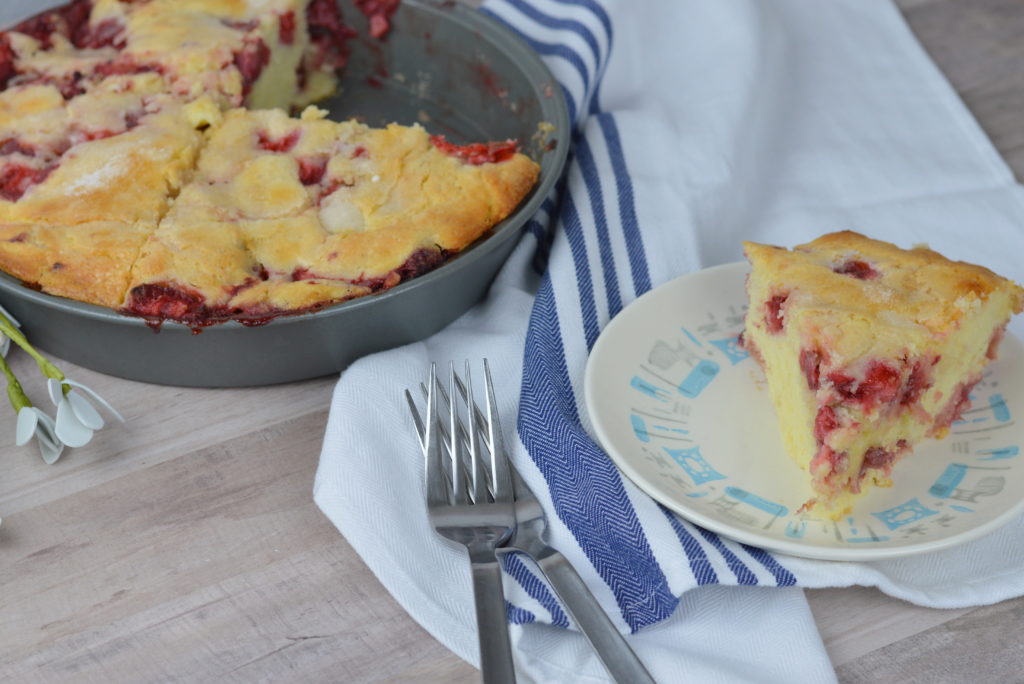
point(474, 458)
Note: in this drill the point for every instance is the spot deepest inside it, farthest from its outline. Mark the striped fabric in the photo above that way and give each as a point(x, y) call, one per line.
point(698, 124)
point(597, 265)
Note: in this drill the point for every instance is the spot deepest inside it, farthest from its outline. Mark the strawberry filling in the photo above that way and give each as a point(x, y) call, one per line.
point(379, 13)
point(419, 262)
point(328, 34)
point(825, 422)
point(71, 21)
point(881, 385)
point(810, 364)
point(918, 382)
point(168, 301)
point(959, 401)
point(107, 33)
point(284, 144)
point(858, 269)
point(250, 61)
point(15, 146)
point(70, 85)
point(7, 68)
point(878, 458)
point(477, 153)
point(125, 65)
point(286, 28)
point(827, 463)
point(773, 317)
point(16, 179)
point(993, 344)
point(163, 300)
point(312, 170)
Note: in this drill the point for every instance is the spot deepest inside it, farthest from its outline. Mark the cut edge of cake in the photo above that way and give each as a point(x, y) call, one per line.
point(868, 349)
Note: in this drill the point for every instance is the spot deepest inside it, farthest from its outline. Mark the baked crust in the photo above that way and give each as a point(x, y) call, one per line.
point(868, 349)
point(87, 261)
point(125, 118)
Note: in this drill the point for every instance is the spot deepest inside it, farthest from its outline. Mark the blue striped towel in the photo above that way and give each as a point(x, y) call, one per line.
point(698, 124)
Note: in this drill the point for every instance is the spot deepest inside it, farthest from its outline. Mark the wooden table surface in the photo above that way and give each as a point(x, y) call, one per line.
point(185, 546)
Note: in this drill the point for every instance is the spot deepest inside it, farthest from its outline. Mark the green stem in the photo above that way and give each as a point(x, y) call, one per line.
point(15, 393)
point(47, 368)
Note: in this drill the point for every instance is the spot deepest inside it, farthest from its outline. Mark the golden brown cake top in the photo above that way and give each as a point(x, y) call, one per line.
point(130, 176)
point(859, 277)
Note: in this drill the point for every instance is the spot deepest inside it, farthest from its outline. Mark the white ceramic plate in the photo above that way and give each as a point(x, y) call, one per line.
point(685, 414)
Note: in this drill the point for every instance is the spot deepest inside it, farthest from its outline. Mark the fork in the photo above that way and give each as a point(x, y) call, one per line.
point(473, 508)
point(531, 538)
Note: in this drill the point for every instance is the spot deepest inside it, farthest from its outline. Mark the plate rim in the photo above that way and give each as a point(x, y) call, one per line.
point(797, 549)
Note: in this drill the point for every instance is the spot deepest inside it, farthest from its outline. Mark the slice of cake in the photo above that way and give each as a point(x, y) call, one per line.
point(88, 261)
point(101, 156)
point(868, 349)
point(289, 214)
point(261, 53)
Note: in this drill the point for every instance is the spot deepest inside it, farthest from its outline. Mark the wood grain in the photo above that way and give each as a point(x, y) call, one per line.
point(180, 547)
point(977, 45)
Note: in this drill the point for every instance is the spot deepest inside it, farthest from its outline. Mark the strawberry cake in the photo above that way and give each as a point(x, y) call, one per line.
point(868, 349)
point(148, 163)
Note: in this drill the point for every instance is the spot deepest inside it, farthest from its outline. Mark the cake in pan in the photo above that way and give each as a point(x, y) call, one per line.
point(147, 164)
point(868, 349)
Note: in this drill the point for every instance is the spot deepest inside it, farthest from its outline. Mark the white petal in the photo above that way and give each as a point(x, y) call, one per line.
point(69, 429)
point(26, 429)
point(84, 411)
point(50, 452)
point(92, 393)
point(46, 430)
point(56, 393)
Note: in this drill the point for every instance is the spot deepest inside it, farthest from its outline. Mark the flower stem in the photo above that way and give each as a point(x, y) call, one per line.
point(48, 369)
point(15, 393)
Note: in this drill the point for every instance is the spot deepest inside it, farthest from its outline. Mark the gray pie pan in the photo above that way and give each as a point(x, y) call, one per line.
point(457, 71)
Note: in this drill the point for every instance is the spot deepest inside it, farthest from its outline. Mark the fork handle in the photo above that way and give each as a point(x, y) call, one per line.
point(611, 647)
point(492, 624)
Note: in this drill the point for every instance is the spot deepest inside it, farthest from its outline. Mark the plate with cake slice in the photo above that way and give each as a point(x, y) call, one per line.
point(844, 400)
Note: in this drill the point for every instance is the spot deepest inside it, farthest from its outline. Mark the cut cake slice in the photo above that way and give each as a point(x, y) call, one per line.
point(286, 215)
point(868, 349)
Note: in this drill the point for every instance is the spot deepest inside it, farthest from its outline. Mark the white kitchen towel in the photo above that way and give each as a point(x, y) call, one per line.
point(701, 123)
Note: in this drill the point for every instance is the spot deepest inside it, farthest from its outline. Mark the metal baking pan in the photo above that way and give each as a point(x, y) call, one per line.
point(446, 65)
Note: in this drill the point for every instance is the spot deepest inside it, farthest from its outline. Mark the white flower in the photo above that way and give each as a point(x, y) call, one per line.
point(34, 423)
point(77, 418)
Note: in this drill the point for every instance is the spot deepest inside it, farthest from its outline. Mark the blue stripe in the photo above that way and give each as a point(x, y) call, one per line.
point(700, 566)
point(579, 29)
point(742, 572)
point(587, 491)
point(783, 577)
point(594, 7)
point(561, 24)
point(542, 255)
point(518, 616)
point(588, 167)
point(606, 22)
point(627, 206)
point(586, 487)
point(513, 564)
point(553, 50)
point(577, 244)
